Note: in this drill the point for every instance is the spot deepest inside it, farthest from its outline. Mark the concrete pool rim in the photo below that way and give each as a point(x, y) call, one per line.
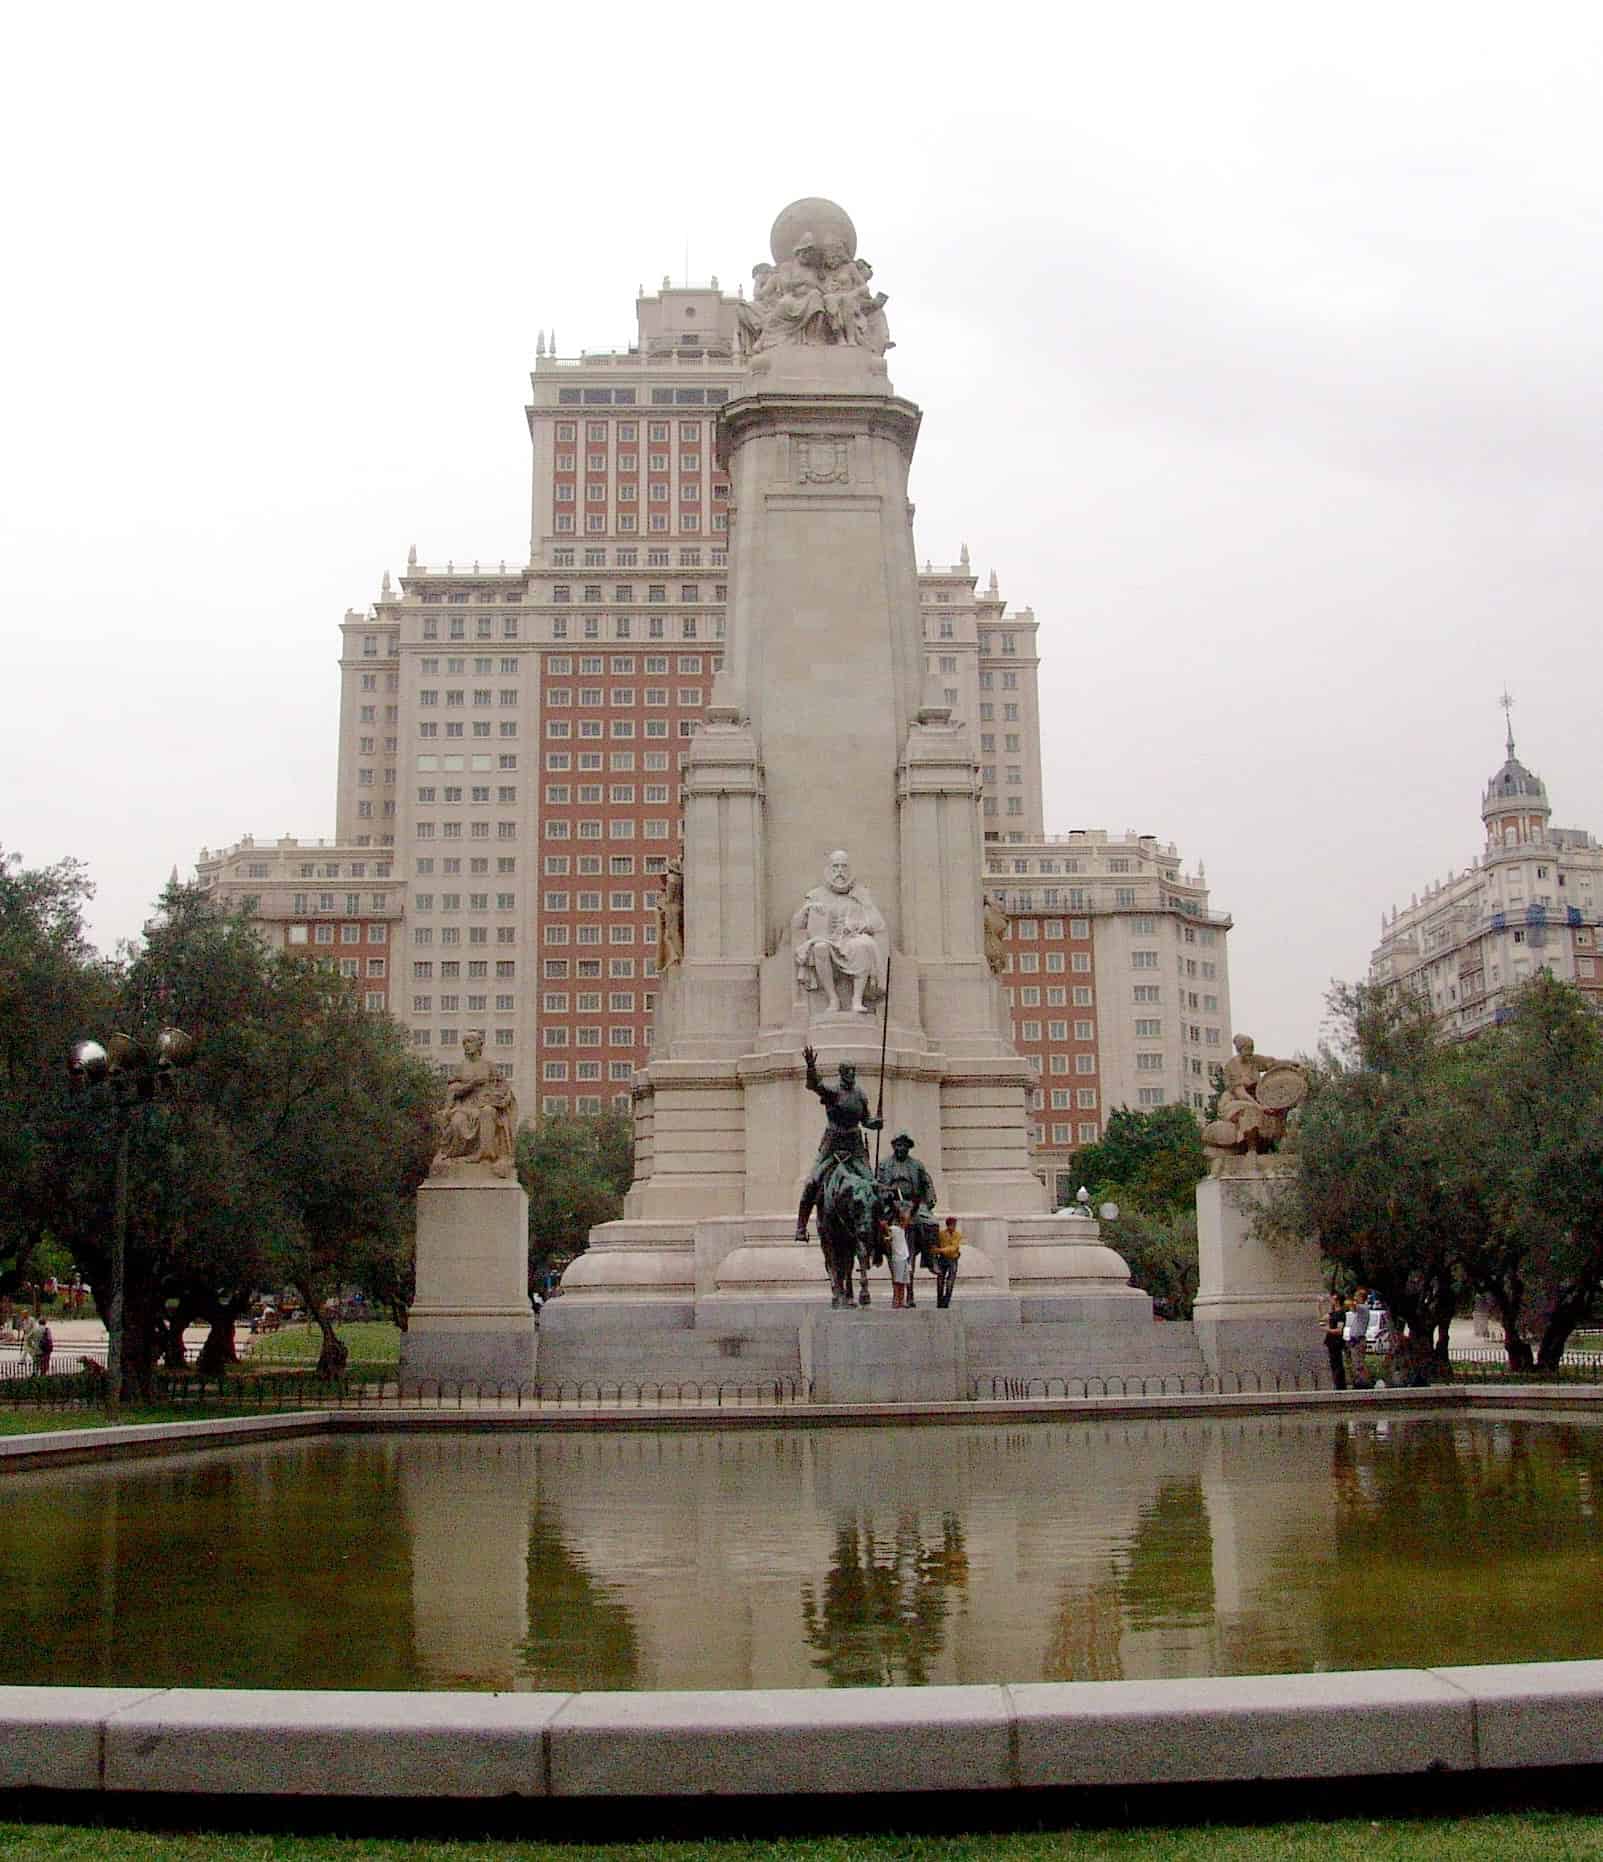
point(132, 1743)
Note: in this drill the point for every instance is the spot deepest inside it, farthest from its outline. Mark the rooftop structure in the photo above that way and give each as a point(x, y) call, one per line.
point(1531, 900)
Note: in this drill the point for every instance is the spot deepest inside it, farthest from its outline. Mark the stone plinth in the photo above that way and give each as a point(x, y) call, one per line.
point(1259, 1303)
point(875, 1355)
point(472, 1320)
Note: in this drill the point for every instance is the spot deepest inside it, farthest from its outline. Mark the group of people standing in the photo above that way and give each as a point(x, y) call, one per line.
point(1346, 1336)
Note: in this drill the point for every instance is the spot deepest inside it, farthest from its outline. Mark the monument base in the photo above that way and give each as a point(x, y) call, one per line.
point(1041, 1299)
point(1256, 1340)
point(472, 1320)
point(878, 1355)
point(469, 1348)
point(1260, 1303)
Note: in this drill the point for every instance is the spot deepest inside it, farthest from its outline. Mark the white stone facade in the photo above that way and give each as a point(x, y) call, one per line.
point(1532, 900)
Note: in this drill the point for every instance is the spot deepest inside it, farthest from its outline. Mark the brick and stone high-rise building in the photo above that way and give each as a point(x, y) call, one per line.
point(988, 665)
point(1117, 977)
point(1532, 900)
point(327, 902)
point(513, 736)
point(517, 734)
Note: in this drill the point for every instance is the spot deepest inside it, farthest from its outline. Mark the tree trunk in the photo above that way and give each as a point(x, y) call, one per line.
point(1568, 1312)
point(177, 1323)
point(1508, 1302)
point(1441, 1356)
point(141, 1342)
point(333, 1358)
point(218, 1353)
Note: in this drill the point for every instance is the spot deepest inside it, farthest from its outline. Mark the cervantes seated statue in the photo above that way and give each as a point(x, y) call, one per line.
point(839, 941)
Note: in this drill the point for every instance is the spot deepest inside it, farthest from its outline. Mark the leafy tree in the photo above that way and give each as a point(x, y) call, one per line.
point(1161, 1252)
point(52, 990)
point(1154, 1159)
point(1149, 1163)
point(1430, 1170)
point(1525, 1158)
point(575, 1171)
point(1370, 1187)
point(286, 1155)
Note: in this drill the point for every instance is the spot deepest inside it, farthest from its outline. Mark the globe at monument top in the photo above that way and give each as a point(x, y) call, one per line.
point(821, 219)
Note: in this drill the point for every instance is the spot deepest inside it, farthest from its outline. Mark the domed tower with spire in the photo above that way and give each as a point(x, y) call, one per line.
point(1514, 808)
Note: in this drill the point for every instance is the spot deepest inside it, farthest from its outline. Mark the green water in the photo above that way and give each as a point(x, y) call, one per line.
point(791, 1558)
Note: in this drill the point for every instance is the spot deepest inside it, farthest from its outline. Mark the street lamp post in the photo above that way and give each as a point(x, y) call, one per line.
point(1109, 1212)
point(132, 1075)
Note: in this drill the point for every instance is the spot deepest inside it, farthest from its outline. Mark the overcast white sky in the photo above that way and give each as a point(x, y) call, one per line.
point(1260, 350)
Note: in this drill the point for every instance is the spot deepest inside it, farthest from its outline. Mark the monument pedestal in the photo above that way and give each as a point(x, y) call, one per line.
point(879, 1355)
point(1259, 1303)
point(471, 1320)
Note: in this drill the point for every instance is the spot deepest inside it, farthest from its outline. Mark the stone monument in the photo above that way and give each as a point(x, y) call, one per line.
point(471, 1320)
point(1258, 1302)
point(824, 734)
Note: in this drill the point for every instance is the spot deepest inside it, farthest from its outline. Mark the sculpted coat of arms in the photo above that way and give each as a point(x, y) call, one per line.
point(821, 461)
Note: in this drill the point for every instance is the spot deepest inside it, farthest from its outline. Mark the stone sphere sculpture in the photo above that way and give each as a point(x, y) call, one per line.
point(821, 218)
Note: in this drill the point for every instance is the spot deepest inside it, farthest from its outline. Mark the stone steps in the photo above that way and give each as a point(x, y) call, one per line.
point(671, 1357)
point(1066, 1350)
point(1070, 1351)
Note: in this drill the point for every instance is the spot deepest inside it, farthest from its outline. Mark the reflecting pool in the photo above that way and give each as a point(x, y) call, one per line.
point(813, 1558)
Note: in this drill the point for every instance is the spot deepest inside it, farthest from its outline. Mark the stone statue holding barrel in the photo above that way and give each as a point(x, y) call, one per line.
point(1258, 1092)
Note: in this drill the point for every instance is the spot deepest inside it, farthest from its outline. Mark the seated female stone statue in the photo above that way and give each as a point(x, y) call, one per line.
point(479, 1119)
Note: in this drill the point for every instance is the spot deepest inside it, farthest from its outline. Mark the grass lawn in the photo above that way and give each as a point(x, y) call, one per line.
point(1507, 1838)
point(370, 1341)
point(25, 1421)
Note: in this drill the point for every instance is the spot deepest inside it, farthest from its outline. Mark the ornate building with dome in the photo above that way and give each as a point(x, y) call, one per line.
point(1532, 900)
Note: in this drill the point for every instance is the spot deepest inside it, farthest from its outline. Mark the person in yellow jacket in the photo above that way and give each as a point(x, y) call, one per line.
point(947, 1247)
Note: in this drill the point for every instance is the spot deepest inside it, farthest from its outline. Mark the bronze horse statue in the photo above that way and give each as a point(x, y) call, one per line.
point(853, 1216)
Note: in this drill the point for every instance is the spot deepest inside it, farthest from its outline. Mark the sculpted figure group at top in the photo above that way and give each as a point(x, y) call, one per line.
point(819, 295)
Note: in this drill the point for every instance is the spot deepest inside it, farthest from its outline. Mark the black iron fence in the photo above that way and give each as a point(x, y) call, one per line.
point(1152, 1383)
point(1489, 1364)
point(379, 1390)
point(77, 1381)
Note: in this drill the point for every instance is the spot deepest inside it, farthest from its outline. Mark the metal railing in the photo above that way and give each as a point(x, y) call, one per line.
point(379, 1389)
point(1153, 1383)
point(18, 1366)
point(1489, 1364)
point(77, 1381)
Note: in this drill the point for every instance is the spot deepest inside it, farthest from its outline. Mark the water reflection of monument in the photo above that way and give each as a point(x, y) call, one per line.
point(1131, 1549)
point(877, 1618)
point(831, 889)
